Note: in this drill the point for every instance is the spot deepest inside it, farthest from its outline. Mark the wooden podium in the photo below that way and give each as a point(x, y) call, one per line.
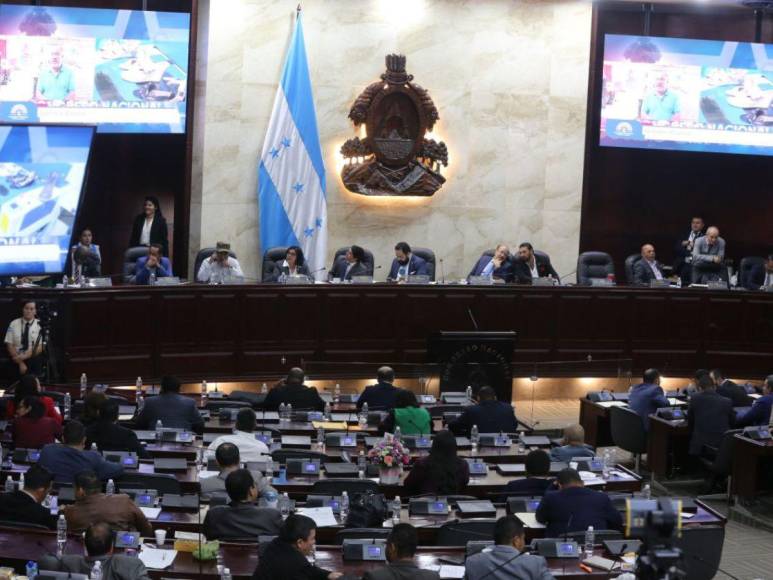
point(475, 359)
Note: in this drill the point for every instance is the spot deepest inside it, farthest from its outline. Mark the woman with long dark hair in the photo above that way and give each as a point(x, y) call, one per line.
point(149, 227)
point(294, 263)
point(31, 428)
point(442, 472)
point(29, 386)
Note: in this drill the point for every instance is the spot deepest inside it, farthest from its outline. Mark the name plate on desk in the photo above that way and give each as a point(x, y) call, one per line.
point(716, 285)
point(417, 279)
point(602, 282)
point(168, 281)
point(543, 281)
point(298, 280)
point(481, 281)
point(660, 283)
point(362, 279)
point(101, 282)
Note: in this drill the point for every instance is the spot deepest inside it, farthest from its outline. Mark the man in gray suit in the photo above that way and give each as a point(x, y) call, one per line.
point(708, 256)
point(99, 547)
point(228, 459)
point(506, 560)
point(401, 546)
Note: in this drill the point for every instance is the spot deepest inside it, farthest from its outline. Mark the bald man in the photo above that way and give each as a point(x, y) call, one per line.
point(648, 268)
point(708, 255)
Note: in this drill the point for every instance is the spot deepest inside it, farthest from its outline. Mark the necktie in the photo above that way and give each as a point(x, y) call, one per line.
point(25, 336)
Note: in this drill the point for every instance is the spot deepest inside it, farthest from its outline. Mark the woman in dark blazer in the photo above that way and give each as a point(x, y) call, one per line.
point(294, 263)
point(150, 227)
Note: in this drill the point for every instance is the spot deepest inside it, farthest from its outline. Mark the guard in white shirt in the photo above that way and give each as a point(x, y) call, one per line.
point(220, 268)
point(23, 341)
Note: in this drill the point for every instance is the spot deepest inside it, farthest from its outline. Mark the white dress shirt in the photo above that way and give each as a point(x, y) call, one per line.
point(768, 280)
point(15, 331)
point(145, 235)
point(250, 449)
point(654, 267)
point(213, 271)
point(534, 271)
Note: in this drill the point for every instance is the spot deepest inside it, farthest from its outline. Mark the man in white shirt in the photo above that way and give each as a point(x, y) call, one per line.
point(243, 437)
point(22, 340)
point(229, 460)
point(648, 268)
point(220, 268)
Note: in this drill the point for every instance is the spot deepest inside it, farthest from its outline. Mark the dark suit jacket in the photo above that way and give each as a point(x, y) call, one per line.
point(281, 560)
point(401, 570)
point(240, 520)
point(756, 277)
point(416, 266)
point(115, 567)
point(339, 269)
point(708, 417)
point(91, 267)
point(642, 272)
point(489, 416)
point(299, 396)
point(533, 486)
point(174, 410)
point(645, 400)
point(504, 272)
point(158, 232)
point(112, 437)
point(759, 414)
point(681, 252)
point(523, 273)
point(17, 506)
point(574, 509)
point(420, 482)
point(300, 270)
point(379, 396)
point(736, 393)
point(65, 462)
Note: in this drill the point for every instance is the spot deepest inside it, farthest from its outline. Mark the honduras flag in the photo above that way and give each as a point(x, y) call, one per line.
point(291, 177)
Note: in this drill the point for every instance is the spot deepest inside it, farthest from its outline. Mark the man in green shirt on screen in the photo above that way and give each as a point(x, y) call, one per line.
point(56, 82)
point(661, 104)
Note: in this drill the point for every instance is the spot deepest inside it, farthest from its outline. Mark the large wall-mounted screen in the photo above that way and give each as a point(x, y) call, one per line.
point(125, 71)
point(688, 95)
point(42, 170)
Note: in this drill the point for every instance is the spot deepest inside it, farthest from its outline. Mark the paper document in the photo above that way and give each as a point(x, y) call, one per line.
point(150, 513)
point(330, 425)
point(207, 474)
point(529, 520)
point(613, 404)
point(447, 571)
point(322, 516)
point(158, 559)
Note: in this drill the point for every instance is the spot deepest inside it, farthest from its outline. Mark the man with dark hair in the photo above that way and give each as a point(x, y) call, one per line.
point(350, 264)
point(683, 250)
point(109, 435)
point(69, 458)
point(294, 392)
point(761, 275)
point(708, 416)
point(243, 437)
point(647, 397)
point(730, 390)
point(575, 507)
point(172, 408)
point(25, 505)
point(400, 549)
point(573, 445)
point(228, 459)
point(406, 263)
point(530, 265)
point(506, 560)
point(91, 505)
point(154, 263)
point(537, 480)
point(759, 414)
point(382, 395)
point(98, 542)
point(241, 519)
point(490, 415)
point(84, 264)
point(286, 556)
point(496, 267)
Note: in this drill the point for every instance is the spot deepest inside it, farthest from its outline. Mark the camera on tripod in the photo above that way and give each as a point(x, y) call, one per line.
point(658, 523)
point(46, 314)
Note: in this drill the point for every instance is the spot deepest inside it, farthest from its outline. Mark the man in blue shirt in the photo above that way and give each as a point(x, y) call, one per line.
point(574, 445)
point(56, 83)
point(647, 397)
point(67, 459)
point(661, 104)
point(153, 263)
point(759, 414)
point(382, 395)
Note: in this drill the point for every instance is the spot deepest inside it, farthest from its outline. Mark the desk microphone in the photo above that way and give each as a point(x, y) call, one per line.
point(505, 563)
point(442, 272)
point(474, 322)
point(561, 279)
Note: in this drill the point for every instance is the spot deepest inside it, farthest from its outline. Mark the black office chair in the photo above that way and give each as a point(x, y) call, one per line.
point(594, 265)
point(282, 455)
point(630, 262)
point(254, 399)
point(719, 461)
point(361, 534)
point(270, 258)
point(338, 486)
point(21, 525)
point(428, 256)
point(701, 551)
point(599, 536)
point(57, 397)
point(628, 432)
point(203, 254)
point(369, 262)
point(459, 532)
point(163, 483)
point(130, 258)
point(745, 268)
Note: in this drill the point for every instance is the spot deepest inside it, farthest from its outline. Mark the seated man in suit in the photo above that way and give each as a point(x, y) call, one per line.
point(497, 267)
point(575, 507)
point(684, 247)
point(761, 275)
point(400, 549)
point(173, 409)
point(91, 505)
point(537, 480)
point(25, 505)
point(98, 541)
point(759, 414)
point(573, 445)
point(506, 559)
point(647, 397)
point(530, 265)
point(85, 263)
point(229, 460)
point(708, 416)
point(406, 263)
point(241, 519)
point(727, 388)
point(243, 437)
point(153, 263)
point(68, 458)
point(294, 392)
point(382, 395)
point(350, 264)
point(109, 435)
point(648, 268)
point(708, 256)
point(490, 415)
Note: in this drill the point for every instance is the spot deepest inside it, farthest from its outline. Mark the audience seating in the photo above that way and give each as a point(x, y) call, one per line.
point(628, 432)
point(271, 256)
point(202, 255)
point(630, 262)
point(459, 532)
point(369, 262)
point(428, 256)
point(745, 268)
point(130, 258)
point(719, 460)
point(594, 266)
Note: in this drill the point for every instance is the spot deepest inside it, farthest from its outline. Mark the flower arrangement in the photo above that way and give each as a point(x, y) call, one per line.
point(389, 452)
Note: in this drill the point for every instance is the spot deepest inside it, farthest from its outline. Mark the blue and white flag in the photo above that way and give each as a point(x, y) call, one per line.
point(291, 177)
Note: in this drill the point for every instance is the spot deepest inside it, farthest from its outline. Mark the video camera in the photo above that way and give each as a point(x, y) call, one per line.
point(658, 523)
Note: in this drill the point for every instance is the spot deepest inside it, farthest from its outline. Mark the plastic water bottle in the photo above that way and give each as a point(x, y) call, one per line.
point(153, 278)
point(398, 434)
point(605, 463)
point(67, 405)
point(646, 492)
point(344, 507)
point(284, 505)
point(327, 411)
point(337, 393)
point(140, 403)
point(590, 538)
point(159, 426)
point(21, 481)
point(521, 443)
point(110, 487)
point(321, 438)
point(362, 464)
point(289, 411)
point(53, 505)
point(9, 485)
point(94, 447)
point(96, 571)
point(396, 508)
point(474, 437)
point(203, 398)
point(61, 535)
point(84, 385)
point(468, 393)
point(138, 385)
point(31, 569)
point(264, 389)
point(64, 281)
point(226, 575)
point(282, 412)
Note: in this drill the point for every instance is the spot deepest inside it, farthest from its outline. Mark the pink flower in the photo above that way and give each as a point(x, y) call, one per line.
point(388, 460)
